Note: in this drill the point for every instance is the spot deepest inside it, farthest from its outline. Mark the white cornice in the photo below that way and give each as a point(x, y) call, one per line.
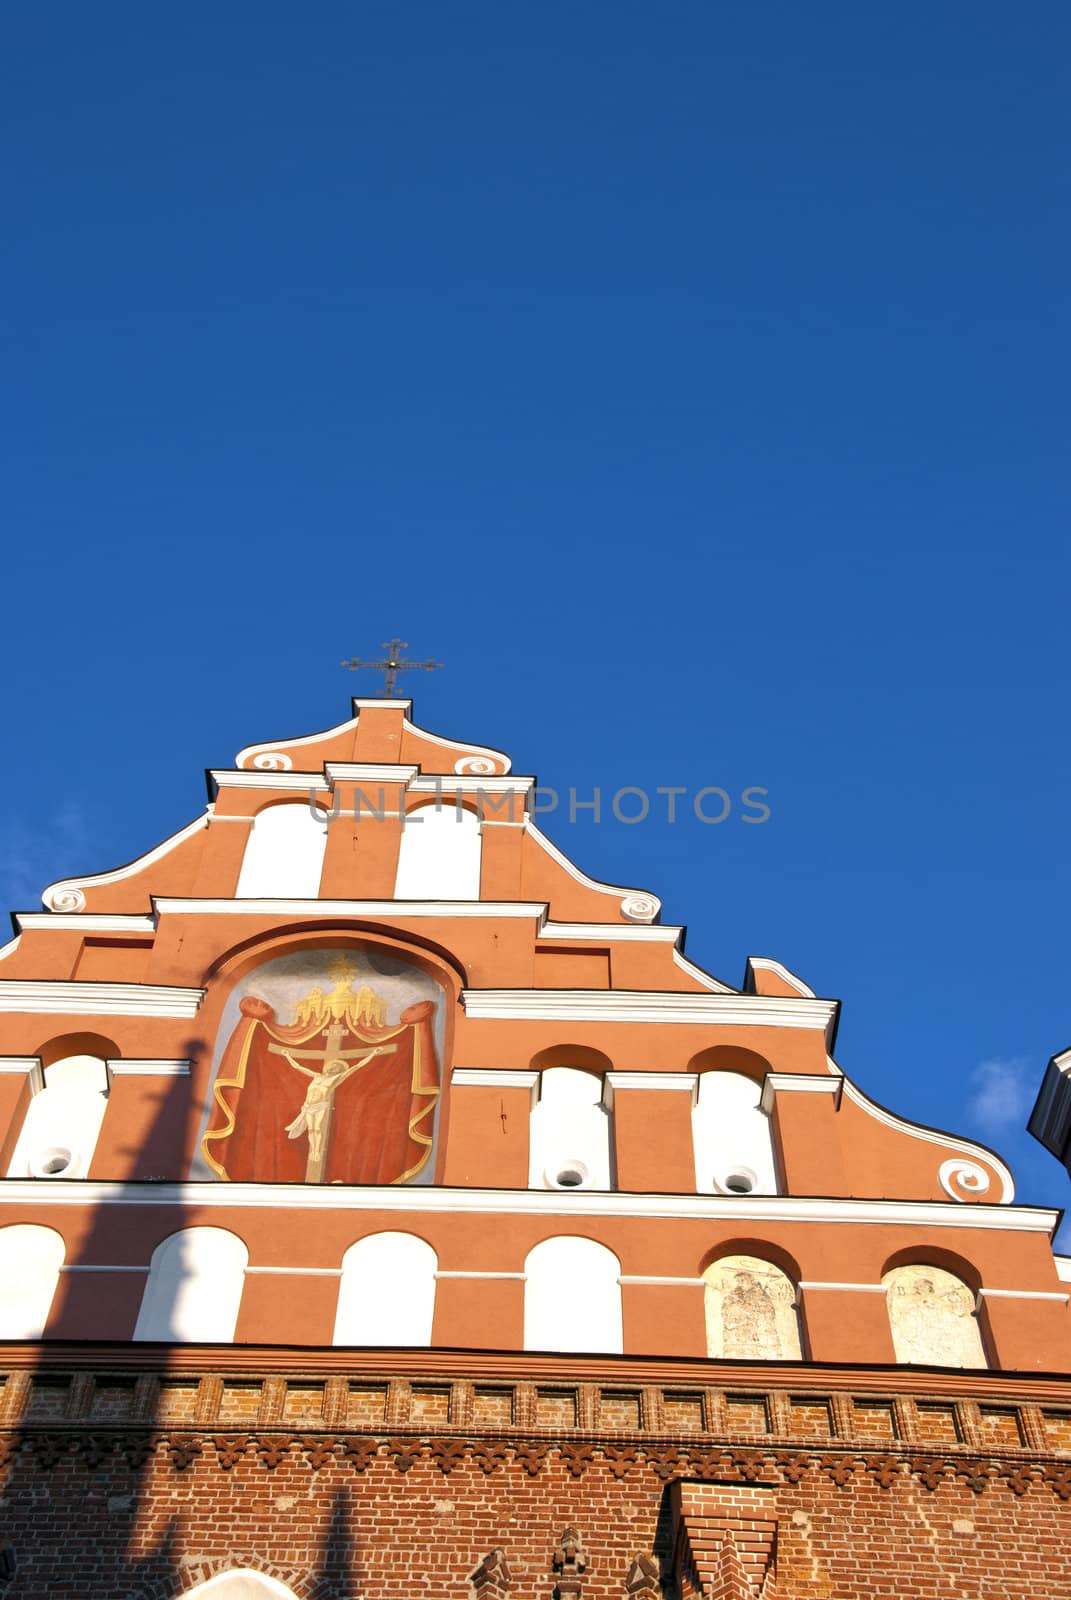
point(603, 932)
point(1019, 1294)
point(374, 702)
point(625, 1005)
point(84, 922)
point(379, 910)
point(99, 999)
point(767, 964)
point(129, 1067)
point(432, 783)
point(493, 1078)
point(684, 1082)
point(796, 1083)
point(247, 778)
point(28, 1067)
point(416, 1201)
point(369, 772)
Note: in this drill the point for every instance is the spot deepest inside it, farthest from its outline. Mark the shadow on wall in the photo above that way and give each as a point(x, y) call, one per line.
point(89, 1454)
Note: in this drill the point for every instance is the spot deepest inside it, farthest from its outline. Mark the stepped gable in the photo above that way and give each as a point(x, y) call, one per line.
point(382, 1196)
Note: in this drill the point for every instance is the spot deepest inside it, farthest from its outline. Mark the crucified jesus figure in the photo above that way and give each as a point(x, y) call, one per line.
point(314, 1118)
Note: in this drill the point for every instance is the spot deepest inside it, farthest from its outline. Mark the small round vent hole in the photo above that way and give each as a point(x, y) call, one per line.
point(740, 1183)
point(570, 1178)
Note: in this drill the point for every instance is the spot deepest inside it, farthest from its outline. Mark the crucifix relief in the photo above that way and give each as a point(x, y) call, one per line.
point(340, 1094)
point(314, 1118)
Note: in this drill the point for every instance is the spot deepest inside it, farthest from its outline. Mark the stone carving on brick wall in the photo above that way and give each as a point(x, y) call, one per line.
point(931, 1313)
point(751, 1310)
point(569, 1563)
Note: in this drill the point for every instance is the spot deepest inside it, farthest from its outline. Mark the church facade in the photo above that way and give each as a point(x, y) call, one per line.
point(388, 1204)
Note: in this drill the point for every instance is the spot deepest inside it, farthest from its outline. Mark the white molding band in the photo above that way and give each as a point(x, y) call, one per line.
point(797, 1083)
point(417, 1200)
point(853, 1288)
point(441, 784)
point(254, 778)
point(628, 1280)
point(642, 932)
point(517, 1277)
point(369, 772)
point(625, 1005)
point(85, 922)
point(493, 1078)
point(674, 1082)
point(103, 1266)
point(28, 1067)
point(380, 910)
point(1063, 1268)
point(132, 1067)
point(1020, 1294)
point(293, 1272)
point(99, 999)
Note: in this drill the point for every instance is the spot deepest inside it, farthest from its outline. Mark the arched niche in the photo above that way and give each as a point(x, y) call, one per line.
point(440, 854)
point(569, 1138)
point(194, 1288)
point(30, 1260)
point(572, 1296)
point(731, 1135)
point(932, 1317)
point(241, 1584)
point(751, 1311)
point(386, 1293)
point(327, 1066)
point(63, 1119)
point(284, 854)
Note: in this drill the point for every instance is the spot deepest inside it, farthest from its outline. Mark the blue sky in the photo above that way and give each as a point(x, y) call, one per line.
point(690, 379)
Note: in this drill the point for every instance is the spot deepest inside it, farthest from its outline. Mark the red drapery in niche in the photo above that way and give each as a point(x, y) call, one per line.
point(380, 1116)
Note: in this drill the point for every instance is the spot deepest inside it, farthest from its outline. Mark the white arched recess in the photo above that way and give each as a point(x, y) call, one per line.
point(241, 1584)
point(572, 1297)
point(62, 1123)
point(569, 1136)
point(30, 1260)
point(731, 1134)
point(440, 855)
point(194, 1288)
point(387, 1292)
point(284, 855)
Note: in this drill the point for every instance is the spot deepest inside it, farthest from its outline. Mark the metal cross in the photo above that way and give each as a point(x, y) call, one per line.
point(393, 665)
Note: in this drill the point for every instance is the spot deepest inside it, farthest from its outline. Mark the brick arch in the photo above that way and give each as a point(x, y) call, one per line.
point(204, 1577)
